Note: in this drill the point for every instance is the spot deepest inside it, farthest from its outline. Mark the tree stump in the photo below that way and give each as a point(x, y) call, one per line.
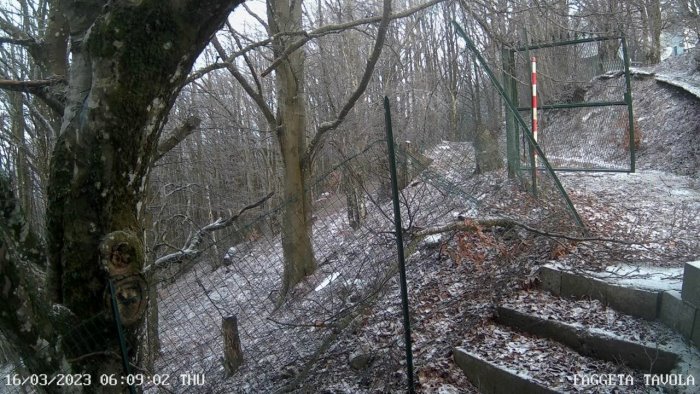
point(233, 355)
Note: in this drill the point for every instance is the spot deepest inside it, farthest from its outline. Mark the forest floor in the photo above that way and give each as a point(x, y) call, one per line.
point(346, 317)
point(455, 282)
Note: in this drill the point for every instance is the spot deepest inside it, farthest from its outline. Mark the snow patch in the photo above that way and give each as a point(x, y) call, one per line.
point(327, 281)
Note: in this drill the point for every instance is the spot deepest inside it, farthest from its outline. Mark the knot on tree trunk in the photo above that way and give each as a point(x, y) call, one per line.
point(122, 257)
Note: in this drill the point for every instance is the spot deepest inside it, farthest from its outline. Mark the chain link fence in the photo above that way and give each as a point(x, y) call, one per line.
point(584, 108)
point(215, 323)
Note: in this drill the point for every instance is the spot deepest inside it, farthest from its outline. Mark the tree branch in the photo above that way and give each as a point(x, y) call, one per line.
point(191, 248)
point(361, 87)
point(176, 136)
point(330, 29)
point(29, 42)
point(305, 37)
point(255, 95)
point(28, 86)
point(40, 88)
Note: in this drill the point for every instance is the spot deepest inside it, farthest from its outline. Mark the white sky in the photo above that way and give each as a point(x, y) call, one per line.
point(242, 21)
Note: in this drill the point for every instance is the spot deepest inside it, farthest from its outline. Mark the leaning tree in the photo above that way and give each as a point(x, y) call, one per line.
point(128, 62)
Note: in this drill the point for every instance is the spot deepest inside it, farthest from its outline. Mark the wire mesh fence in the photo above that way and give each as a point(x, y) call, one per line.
point(276, 339)
point(206, 310)
point(579, 91)
point(217, 322)
point(600, 140)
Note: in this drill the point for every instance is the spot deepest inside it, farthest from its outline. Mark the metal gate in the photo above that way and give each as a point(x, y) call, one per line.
point(544, 184)
point(584, 100)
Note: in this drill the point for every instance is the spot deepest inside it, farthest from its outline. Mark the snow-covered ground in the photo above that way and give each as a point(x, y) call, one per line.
point(453, 279)
point(349, 309)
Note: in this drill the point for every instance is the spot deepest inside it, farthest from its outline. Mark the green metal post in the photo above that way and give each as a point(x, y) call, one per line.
point(120, 332)
point(511, 106)
point(628, 100)
point(399, 246)
point(516, 129)
point(511, 133)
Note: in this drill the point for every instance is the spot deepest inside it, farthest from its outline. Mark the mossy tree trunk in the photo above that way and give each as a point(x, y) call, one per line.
point(488, 157)
point(129, 60)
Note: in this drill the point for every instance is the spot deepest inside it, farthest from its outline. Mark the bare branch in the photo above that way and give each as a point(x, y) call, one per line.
point(191, 248)
point(176, 136)
point(28, 86)
point(28, 42)
point(247, 61)
point(335, 28)
point(40, 88)
point(255, 16)
point(361, 87)
point(305, 37)
point(255, 95)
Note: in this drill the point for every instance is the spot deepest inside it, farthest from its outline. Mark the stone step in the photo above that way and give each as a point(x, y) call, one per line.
point(555, 344)
point(597, 344)
point(499, 360)
point(652, 293)
point(490, 378)
point(591, 328)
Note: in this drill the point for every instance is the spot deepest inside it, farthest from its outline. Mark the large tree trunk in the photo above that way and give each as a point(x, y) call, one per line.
point(129, 60)
point(299, 260)
point(488, 157)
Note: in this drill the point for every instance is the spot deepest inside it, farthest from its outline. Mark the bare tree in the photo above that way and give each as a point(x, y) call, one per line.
point(289, 118)
point(128, 63)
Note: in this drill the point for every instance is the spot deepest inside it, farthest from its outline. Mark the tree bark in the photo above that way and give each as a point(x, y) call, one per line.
point(233, 355)
point(488, 158)
point(354, 196)
point(299, 261)
point(129, 60)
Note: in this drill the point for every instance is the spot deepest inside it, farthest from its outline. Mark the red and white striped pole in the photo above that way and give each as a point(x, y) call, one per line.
point(534, 103)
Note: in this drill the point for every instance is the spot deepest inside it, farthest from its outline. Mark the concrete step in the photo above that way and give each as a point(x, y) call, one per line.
point(593, 329)
point(579, 346)
point(500, 360)
point(599, 345)
point(652, 293)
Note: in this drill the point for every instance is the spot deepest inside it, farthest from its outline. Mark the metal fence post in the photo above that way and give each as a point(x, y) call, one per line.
point(531, 142)
point(399, 246)
point(533, 115)
point(628, 100)
point(512, 149)
point(121, 337)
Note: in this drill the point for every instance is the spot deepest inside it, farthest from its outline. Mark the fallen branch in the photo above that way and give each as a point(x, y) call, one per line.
point(474, 224)
point(464, 225)
point(191, 248)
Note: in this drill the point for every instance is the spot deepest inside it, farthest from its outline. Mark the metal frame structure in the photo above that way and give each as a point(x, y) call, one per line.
point(516, 119)
point(513, 131)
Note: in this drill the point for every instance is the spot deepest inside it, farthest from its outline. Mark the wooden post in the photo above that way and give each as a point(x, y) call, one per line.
point(233, 355)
